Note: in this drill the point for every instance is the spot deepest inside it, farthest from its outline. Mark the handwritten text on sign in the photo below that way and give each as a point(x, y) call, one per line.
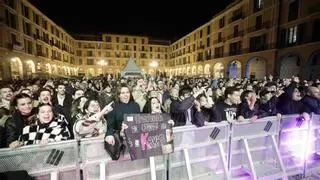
point(148, 135)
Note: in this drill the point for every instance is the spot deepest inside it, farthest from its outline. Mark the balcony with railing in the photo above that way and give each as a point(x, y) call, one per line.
point(64, 48)
point(236, 17)
point(208, 56)
point(45, 39)
point(235, 52)
point(200, 47)
point(265, 25)
point(41, 54)
point(219, 55)
point(36, 36)
point(245, 50)
point(88, 47)
point(108, 47)
point(126, 49)
point(57, 45)
point(300, 40)
point(219, 40)
point(126, 41)
point(234, 35)
point(15, 46)
point(55, 57)
point(257, 8)
point(144, 56)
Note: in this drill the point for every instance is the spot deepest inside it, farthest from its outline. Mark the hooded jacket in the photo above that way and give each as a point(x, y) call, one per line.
point(287, 105)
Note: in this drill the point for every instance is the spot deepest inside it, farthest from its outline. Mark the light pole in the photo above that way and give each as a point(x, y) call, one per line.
point(102, 63)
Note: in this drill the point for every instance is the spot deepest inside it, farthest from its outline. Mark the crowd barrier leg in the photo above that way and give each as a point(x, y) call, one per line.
point(224, 162)
point(168, 166)
point(153, 168)
point(248, 153)
point(54, 175)
point(276, 150)
point(188, 165)
point(102, 171)
point(305, 155)
point(78, 168)
point(229, 158)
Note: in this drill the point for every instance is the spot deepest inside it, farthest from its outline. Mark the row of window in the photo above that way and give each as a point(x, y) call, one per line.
point(43, 51)
point(257, 43)
point(288, 36)
point(45, 38)
point(127, 55)
point(12, 21)
point(91, 61)
point(258, 26)
point(118, 54)
point(296, 35)
point(124, 40)
point(237, 14)
point(117, 47)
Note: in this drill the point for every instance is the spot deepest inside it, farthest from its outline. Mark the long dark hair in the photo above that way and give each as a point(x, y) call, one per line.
point(75, 106)
point(86, 105)
point(147, 107)
point(119, 92)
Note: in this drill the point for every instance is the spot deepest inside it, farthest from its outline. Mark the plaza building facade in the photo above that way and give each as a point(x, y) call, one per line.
point(250, 38)
point(108, 54)
point(253, 38)
point(31, 45)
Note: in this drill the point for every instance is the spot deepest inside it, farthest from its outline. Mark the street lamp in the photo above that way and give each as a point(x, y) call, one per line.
point(154, 64)
point(102, 63)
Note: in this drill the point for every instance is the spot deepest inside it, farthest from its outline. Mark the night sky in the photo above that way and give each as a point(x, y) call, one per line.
point(159, 19)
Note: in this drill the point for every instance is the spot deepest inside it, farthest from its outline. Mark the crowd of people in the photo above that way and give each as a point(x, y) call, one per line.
point(44, 111)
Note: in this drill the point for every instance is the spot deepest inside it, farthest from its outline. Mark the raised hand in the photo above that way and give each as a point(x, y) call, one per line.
point(96, 117)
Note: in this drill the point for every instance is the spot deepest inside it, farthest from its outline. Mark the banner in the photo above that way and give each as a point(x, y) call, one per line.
point(148, 135)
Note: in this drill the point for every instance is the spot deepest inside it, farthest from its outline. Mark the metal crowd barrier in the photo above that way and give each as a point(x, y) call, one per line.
point(254, 150)
point(193, 154)
point(266, 149)
point(312, 158)
point(54, 161)
point(293, 137)
point(97, 164)
point(200, 153)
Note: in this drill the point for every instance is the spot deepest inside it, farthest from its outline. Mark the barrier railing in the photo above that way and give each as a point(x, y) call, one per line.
point(293, 141)
point(55, 161)
point(185, 161)
point(312, 159)
point(254, 150)
point(200, 153)
point(267, 148)
point(97, 164)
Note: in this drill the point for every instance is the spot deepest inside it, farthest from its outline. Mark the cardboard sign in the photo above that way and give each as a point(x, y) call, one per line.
point(148, 135)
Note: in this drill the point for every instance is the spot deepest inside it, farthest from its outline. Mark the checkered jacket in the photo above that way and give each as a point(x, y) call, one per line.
point(56, 130)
